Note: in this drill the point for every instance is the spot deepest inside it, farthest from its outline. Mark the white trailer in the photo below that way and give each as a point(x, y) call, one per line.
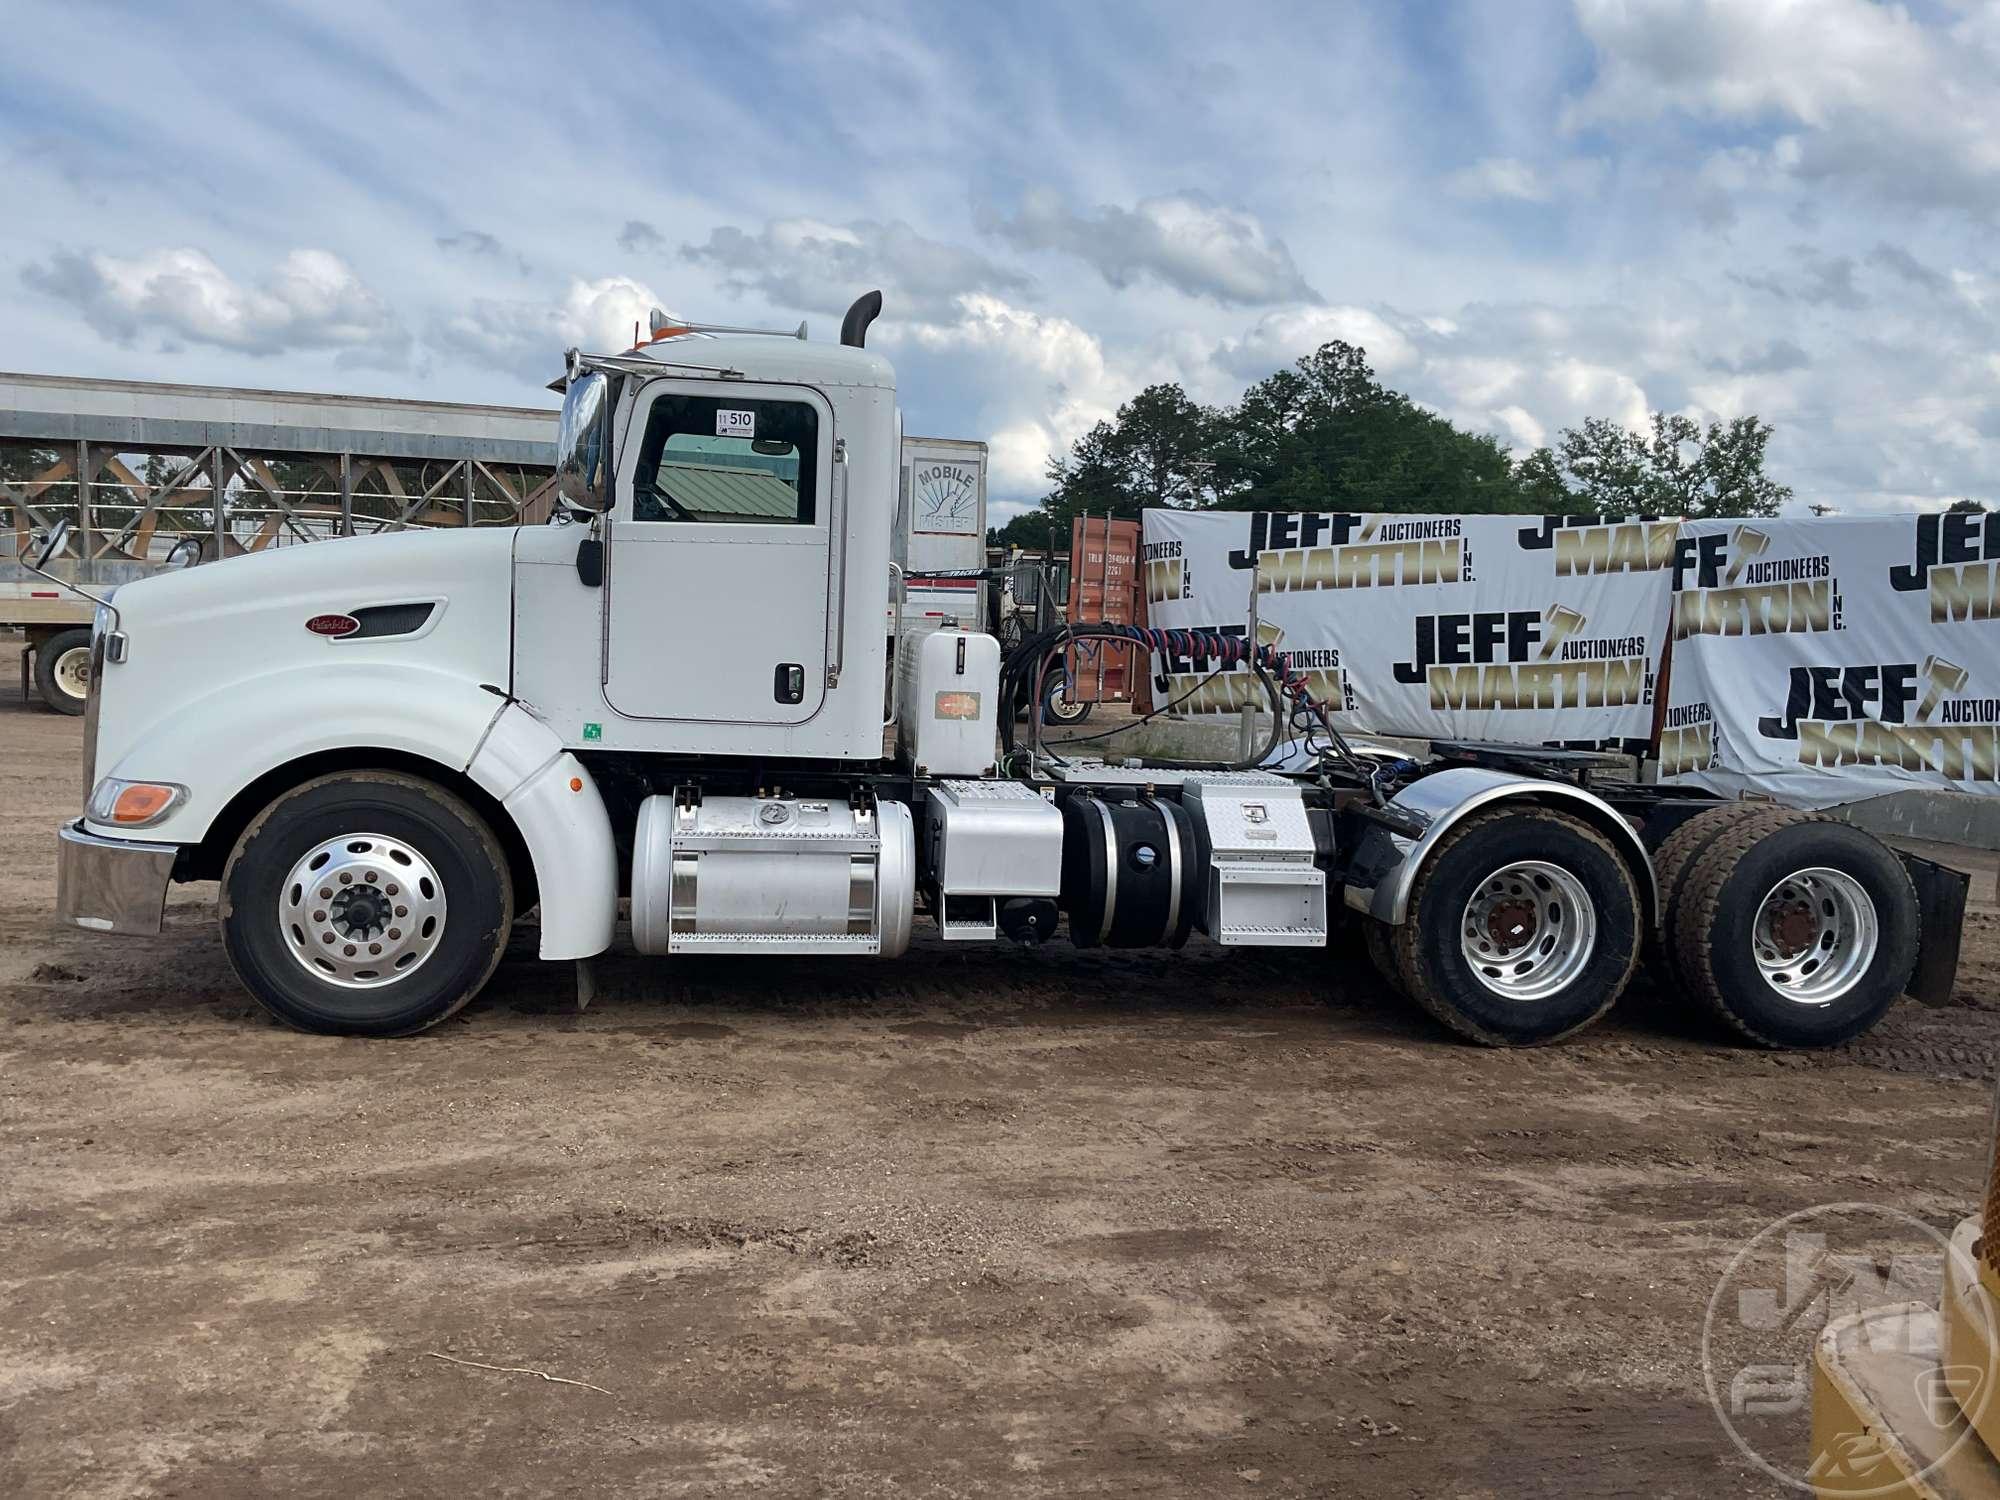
point(941, 533)
point(675, 695)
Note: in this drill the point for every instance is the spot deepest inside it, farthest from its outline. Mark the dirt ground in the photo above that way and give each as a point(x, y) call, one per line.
point(976, 1223)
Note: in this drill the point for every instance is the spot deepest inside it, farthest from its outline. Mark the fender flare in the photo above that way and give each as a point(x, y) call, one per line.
point(555, 804)
point(1384, 869)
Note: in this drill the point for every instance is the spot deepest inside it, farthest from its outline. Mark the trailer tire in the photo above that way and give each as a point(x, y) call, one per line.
point(1057, 706)
point(62, 671)
point(1800, 934)
point(415, 881)
point(1489, 874)
point(1682, 853)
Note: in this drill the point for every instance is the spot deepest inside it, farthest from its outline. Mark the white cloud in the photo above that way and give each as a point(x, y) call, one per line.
point(1499, 177)
point(1185, 240)
point(1509, 179)
point(1039, 382)
point(807, 265)
point(1278, 338)
point(530, 337)
point(1864, 91)
point(311, 299)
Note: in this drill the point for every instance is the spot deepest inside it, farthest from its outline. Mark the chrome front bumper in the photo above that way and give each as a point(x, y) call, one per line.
point(111, 885)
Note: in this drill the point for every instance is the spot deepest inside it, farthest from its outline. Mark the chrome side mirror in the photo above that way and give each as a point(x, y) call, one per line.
point(583, 443)
point(185, 553)
point(53, 542)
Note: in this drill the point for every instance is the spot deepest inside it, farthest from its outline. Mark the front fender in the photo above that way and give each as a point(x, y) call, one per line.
point(218, 744)
point(1384, 869)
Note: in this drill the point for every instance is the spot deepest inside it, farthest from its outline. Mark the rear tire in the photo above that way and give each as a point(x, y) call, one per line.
point(1800, 934)
point(1683, 852)
point(1380, 940)
point(1522, 929)
point(62, 671)
point(408, 925)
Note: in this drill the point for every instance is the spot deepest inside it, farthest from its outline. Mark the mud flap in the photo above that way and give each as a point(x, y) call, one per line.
point(1941, 910)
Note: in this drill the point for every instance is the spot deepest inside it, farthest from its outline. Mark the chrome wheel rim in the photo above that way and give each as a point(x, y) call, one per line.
point(1062, 708)
point(362, 911)
point(1528, 930)
point(72, 671)
point(1815, 935)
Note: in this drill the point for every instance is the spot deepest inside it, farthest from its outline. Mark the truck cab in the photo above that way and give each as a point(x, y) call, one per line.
point(737, 543)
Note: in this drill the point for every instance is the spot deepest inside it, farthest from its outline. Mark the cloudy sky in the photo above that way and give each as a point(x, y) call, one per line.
point(1528, 211)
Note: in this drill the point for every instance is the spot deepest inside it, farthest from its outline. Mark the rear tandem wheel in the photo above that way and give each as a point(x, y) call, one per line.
point(1523, 928)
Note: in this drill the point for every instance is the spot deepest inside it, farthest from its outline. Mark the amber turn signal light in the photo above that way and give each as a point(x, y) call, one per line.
point(141, 802)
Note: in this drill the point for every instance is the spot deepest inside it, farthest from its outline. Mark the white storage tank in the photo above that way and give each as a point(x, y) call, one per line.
point(948, 702)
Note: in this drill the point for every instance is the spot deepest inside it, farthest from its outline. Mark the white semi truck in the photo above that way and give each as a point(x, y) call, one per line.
point(676, 693)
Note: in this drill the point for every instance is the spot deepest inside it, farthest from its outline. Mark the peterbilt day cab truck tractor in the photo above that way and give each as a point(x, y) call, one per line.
point(687, 703)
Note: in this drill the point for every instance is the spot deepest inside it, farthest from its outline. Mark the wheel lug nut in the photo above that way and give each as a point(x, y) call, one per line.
point(319, 916)
point(369, 877)
point(392, 890)
point(394, 934)
point(402, 911)
point(346, 879)
point(374, 947)
point(348, 950)
point(326, 893)
point(326, 937)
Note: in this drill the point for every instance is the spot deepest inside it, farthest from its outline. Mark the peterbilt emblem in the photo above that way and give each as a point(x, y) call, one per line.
point(333, 625)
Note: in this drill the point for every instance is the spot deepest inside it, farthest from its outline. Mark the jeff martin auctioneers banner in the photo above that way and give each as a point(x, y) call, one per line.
point(1828, 659)
point(1527, 629)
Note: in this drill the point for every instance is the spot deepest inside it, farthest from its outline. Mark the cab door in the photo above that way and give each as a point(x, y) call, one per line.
point(718, 566)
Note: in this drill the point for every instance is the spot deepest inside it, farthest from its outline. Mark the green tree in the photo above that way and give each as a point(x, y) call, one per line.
point(1328, 435)
point(1967, 506)
point(1157, 452)
point(1678, 469)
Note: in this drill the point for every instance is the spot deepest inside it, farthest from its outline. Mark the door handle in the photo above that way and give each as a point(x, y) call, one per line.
point(788, 682)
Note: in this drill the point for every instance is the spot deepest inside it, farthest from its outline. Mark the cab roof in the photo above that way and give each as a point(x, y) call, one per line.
point(766, 357)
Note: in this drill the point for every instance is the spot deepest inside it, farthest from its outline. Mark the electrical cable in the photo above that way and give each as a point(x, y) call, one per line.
point(1307, 716)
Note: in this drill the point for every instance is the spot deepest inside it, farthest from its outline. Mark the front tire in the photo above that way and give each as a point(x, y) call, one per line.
point(62, 671)
point(366, 903)
point(1522, 929)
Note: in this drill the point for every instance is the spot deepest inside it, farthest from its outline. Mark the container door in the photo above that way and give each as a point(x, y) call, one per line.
point(719, 565)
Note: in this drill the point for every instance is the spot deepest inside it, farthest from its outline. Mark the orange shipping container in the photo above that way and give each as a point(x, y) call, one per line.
point(1104, 587)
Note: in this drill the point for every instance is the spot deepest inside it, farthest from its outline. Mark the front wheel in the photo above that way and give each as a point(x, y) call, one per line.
point(1523, 928)
point(366, 903)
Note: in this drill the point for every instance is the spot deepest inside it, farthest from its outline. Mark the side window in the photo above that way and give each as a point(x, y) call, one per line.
point(737, 460)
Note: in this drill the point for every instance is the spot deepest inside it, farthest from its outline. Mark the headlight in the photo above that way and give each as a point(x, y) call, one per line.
point(134, 804)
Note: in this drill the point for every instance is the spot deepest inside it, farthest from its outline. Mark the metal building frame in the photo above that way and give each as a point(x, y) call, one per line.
point(247, 469)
